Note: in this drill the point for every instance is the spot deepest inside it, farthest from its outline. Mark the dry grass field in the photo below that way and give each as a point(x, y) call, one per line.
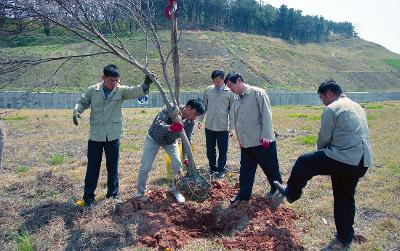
point(45, 162)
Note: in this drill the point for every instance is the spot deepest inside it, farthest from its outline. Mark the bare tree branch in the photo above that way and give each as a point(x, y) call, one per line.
point(44, 60)
point(29, 97)
point(173, 45)
point(147, 50)
point(86, 19)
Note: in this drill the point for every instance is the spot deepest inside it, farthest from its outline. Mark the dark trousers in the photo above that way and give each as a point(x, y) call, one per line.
point(94, 155)
point(344, 179)
point(220, 139)
point(268, 161)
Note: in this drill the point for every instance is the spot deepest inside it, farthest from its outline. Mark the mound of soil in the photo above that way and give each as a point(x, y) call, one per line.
point(251, 225)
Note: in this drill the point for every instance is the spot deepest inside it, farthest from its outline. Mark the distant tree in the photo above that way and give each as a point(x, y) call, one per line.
point(237, 15)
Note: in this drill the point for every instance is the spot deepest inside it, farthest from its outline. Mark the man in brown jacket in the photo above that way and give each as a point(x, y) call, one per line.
point(253, 126)
point(343, 152)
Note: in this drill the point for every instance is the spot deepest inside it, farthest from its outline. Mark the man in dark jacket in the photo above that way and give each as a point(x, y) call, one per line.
point(164, 133)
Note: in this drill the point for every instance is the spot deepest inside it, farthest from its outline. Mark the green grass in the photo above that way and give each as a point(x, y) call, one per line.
point(27, 40)
point(46, 193)
point(32, 40)
point(22, 169)
point(306, 128)
point(17, 118)
point(370, 117)
point(129, 147)
point(395, 63)
point(314, 117)
point(307, 140)
point(395, 168)
point(298, 115)
point(305, 116)
point(57, 159)
point(372, 106)
point(23, 241)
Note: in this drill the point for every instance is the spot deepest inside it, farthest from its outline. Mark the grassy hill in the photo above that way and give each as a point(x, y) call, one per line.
point(271, 63)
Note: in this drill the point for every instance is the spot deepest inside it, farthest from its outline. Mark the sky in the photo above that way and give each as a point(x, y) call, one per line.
point(375, 20)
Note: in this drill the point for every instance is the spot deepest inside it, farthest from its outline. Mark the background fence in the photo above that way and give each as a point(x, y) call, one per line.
point(46, 100)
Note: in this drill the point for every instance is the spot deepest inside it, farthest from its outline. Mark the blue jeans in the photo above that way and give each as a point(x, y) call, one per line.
point(94, 155)
point(268, 161)
point(220, 139)
point(344, 179)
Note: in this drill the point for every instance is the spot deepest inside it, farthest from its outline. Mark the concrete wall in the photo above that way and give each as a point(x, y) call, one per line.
point(45, 100)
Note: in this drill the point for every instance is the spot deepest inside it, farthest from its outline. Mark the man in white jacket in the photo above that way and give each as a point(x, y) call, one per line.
point(218, 100)
point(253, 126)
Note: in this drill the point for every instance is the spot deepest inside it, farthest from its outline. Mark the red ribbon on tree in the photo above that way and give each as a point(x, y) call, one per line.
point(171, 8)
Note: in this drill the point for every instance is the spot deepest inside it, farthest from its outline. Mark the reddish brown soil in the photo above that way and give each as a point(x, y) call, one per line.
point(251, 225)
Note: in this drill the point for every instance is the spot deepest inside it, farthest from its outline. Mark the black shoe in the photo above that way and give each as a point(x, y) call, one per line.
point(88, 203)
point(236, 200)
point(334, 245)
point(219, 175)
point(115, 199)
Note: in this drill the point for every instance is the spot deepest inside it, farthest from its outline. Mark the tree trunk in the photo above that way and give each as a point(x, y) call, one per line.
point(46, 27)
point(192, 170)
point(175, 56)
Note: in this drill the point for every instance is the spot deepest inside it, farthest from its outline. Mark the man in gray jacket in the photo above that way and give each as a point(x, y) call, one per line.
point(218, 100)
point(105, 101)
point(344, 153)
point(163, 132)
point(253, 126)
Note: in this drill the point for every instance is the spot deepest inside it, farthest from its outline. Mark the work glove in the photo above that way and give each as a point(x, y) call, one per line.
point(75, 117)
point(147, 83)
point(176, 127)
point(265, 143)
point(147, 80)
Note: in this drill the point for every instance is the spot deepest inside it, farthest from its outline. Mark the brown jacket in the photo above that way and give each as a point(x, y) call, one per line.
point(344, 133)
point(106, 115)
point(253, 117)
point(219, 115)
